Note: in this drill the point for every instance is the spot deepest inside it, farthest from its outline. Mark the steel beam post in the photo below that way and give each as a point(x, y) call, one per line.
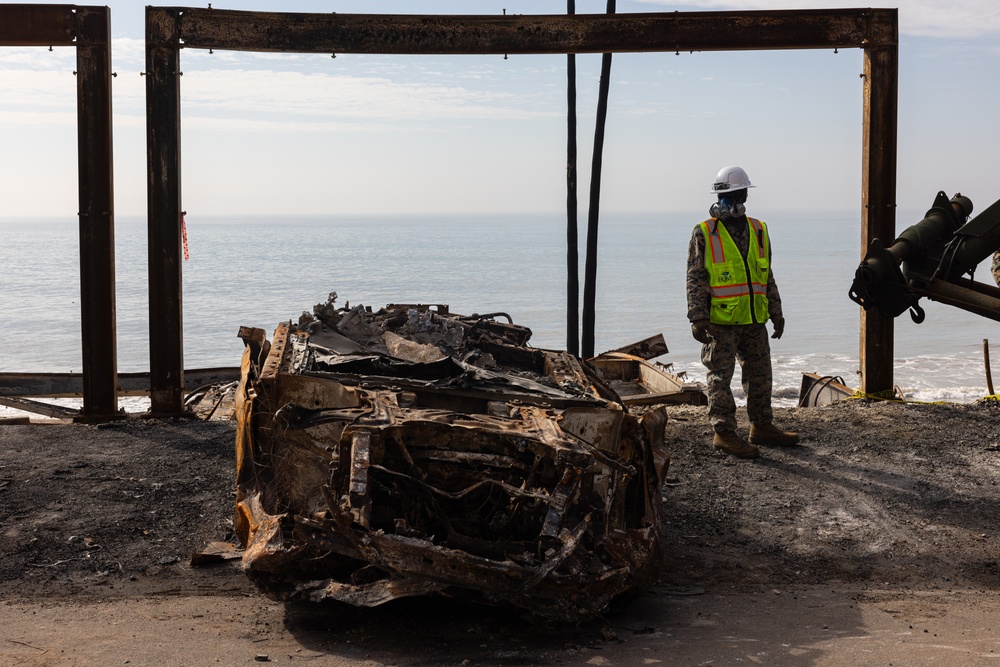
point(88, 29)
point(97, 219)
point(572, 225)
point(163, 140)
point(878, 210)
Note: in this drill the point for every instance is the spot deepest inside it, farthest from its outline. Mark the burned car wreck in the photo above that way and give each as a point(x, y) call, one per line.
point(411, 451)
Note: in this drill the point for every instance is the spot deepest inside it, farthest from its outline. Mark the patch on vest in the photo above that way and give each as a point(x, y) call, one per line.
point(725, 277)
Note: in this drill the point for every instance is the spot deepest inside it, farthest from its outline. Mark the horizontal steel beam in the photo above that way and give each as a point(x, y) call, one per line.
point(530, 34)
point(69, 385)
point(38, 25)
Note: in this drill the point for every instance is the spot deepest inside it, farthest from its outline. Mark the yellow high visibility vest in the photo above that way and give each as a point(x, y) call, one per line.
point(738, 284)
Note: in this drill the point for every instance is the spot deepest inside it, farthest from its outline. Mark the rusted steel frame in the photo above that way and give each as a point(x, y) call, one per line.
point(88, 29)
point(572, 226)
point(163, 139)
point(38, 25)
point(872, 29)
point(878, 192)
point(593, 213)
point(524, 34)
point(97, 218)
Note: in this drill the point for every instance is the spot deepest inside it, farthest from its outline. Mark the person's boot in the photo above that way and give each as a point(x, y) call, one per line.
point(769, 434)
point(730, 442)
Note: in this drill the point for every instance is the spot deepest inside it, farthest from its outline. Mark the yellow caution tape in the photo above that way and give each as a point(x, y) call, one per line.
point(895, 394)
point(887, 395)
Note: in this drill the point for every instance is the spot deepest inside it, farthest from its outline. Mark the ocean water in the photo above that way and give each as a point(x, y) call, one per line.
point(259, 271)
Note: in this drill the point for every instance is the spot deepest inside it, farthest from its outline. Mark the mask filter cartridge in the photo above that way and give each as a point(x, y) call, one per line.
point(727, 208)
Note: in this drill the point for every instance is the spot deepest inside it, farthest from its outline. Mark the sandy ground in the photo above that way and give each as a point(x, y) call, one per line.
point(874, 543)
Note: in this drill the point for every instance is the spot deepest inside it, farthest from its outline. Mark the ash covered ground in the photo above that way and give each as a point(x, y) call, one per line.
point(884, 495)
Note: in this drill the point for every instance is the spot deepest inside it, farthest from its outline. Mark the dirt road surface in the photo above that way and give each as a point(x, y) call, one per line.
point(876, 542)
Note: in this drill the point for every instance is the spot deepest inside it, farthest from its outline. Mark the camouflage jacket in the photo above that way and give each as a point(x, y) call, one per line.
point(699, 298)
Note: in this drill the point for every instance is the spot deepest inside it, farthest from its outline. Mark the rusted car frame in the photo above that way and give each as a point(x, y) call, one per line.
point(411, 451)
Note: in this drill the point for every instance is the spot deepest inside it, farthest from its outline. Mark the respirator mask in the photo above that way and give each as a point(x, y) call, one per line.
point(729, 207)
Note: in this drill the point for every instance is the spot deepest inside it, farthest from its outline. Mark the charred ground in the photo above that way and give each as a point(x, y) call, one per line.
point(887, 495)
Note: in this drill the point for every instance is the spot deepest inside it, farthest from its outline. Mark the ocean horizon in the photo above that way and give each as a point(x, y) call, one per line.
point(264, 269)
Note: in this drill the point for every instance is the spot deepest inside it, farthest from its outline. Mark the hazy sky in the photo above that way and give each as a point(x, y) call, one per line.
point(276, 133)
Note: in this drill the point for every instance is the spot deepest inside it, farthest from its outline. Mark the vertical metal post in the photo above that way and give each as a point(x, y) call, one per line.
point(97, 220)
point(593, 216)
point(572, 230)
point(881, 74)
point(163, 129)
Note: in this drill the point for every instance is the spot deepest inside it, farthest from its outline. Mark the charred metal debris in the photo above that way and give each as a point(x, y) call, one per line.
point(412, 451)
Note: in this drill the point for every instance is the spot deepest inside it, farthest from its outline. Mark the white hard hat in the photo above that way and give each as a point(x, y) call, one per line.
point(730, 179)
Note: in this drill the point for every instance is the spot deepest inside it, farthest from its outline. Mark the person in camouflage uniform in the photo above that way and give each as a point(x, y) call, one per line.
point(729, 299)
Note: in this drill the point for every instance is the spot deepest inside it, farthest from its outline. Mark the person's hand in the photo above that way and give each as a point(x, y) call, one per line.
point(699, 329)
point(779, 326)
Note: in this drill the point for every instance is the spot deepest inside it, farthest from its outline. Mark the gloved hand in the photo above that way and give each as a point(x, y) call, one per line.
point(779, 326)
point(699, 329)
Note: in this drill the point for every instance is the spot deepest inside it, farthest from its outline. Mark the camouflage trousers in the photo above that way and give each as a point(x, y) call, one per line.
point(749, 345)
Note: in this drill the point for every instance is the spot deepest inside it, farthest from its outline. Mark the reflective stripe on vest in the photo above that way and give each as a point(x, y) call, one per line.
point(736, 297)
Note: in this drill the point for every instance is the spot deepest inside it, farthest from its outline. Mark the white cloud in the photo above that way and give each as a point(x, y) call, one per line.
point(30, 89)
point(261, 125)
point(37, 118)
point(37, 58)
point(291, 99)
point(294, 96)
point(923, 18)
point(128, 54)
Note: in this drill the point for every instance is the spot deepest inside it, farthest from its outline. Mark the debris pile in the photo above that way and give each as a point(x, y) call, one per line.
point(411, 450)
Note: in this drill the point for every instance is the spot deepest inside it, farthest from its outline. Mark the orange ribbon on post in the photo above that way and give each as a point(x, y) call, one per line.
point(184, 236)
